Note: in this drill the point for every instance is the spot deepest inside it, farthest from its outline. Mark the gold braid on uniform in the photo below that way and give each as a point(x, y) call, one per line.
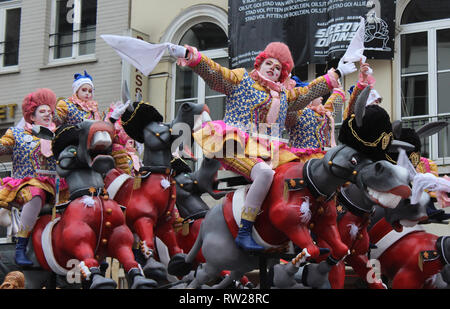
point(384, 138)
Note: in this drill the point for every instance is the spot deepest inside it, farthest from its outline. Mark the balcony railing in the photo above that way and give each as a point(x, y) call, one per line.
point(435, 148)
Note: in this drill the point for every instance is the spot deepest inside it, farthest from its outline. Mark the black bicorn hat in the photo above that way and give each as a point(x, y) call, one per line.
point(134, 122)
point(414, 137)
point(370, 134)
point(64, 136)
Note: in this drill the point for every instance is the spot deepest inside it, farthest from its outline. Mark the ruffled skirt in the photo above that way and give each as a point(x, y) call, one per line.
point(239, 151)
point(10, 188)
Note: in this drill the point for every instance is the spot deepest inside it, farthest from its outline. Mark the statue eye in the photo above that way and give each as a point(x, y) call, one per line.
point(354, 161)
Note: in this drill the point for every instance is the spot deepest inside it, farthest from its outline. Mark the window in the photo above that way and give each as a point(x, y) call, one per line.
point(10, 34)
point(424, 68)
point(211, 41)
point(73, 28)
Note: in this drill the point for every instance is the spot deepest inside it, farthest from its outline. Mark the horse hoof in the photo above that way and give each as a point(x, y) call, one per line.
point(155, 270)
point(178, 266)
point(99, 282)
point(141, 282)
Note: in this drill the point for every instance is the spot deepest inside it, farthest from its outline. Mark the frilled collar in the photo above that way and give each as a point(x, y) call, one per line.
point(263, 81)
point(87, 106)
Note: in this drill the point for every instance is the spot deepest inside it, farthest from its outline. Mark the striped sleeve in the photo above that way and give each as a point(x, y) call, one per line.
point(7, 143)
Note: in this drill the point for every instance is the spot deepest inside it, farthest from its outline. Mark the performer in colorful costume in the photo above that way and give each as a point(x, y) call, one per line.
point(313, 126)
point(30, 185)
point(124, 149)
point(80, 105)
point(257, 102)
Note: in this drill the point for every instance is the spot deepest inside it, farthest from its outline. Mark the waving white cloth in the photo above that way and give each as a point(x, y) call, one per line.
point(355, 50)
point(142, 55)
point(421, 181)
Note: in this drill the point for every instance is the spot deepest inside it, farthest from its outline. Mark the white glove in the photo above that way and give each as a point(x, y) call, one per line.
point(177, 51)
point(346, 68)
point(119, 109)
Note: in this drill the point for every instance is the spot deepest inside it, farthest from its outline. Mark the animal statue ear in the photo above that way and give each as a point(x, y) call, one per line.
point(396, 145)
point(360, 106)
point(42, 132)
point(397, 128)
point(431, 128)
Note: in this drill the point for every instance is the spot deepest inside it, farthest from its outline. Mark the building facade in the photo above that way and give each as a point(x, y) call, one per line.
point(45, 42)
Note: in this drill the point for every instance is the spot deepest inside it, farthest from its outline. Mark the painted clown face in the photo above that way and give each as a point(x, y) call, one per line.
point(271, 69)
point(85, 92)
point(42, 115)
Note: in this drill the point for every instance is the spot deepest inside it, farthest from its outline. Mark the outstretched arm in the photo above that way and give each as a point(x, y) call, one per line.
point(217, 77)
point(299, 97)
point(7, 142)
point(61, 112)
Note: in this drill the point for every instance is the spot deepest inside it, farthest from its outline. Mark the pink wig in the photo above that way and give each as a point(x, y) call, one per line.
point(281, 52)
point(35, 99)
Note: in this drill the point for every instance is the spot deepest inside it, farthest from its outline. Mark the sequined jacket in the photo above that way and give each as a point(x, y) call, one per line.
point(309, 129)
point(248, 102)
point(26, 153)
point(67, 112)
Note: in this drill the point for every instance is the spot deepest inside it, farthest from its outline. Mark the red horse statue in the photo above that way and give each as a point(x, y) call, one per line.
point(150, 206)
point(92, 226)
point(301, 201)
point(406, 257)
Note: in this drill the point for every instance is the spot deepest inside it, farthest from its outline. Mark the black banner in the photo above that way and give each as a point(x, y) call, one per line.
point(315, 31)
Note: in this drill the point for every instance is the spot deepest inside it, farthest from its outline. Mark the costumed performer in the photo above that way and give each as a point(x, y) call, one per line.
point(313, 127)
point(365, 79)
point(32, 182)
point(256, 101)
point(124, 150)
point(80, 105)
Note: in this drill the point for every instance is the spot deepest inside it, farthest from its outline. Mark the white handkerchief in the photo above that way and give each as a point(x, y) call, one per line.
point(355, 49)
point(142, 55)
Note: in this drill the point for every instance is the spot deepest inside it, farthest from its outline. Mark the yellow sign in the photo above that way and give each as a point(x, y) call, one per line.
point(7, 111)
point(139, 82)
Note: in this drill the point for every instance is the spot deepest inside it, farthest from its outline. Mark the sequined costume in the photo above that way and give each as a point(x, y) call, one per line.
point(69, 112)
point(28, 167)
point(310, 128)
point(248, 101)
point(74, 109)
point(356, 91)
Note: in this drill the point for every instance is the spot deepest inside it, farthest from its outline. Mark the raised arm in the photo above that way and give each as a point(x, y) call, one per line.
point(7, 143)
point(217, 77)
point(61, 112)
point(363, 81)
point(299, 97)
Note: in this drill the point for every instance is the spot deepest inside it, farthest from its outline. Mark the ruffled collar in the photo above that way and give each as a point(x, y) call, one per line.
point(263, 81)
point(87, 106)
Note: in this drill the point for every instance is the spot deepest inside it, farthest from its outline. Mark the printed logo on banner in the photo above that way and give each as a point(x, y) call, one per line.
point(315, 31)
